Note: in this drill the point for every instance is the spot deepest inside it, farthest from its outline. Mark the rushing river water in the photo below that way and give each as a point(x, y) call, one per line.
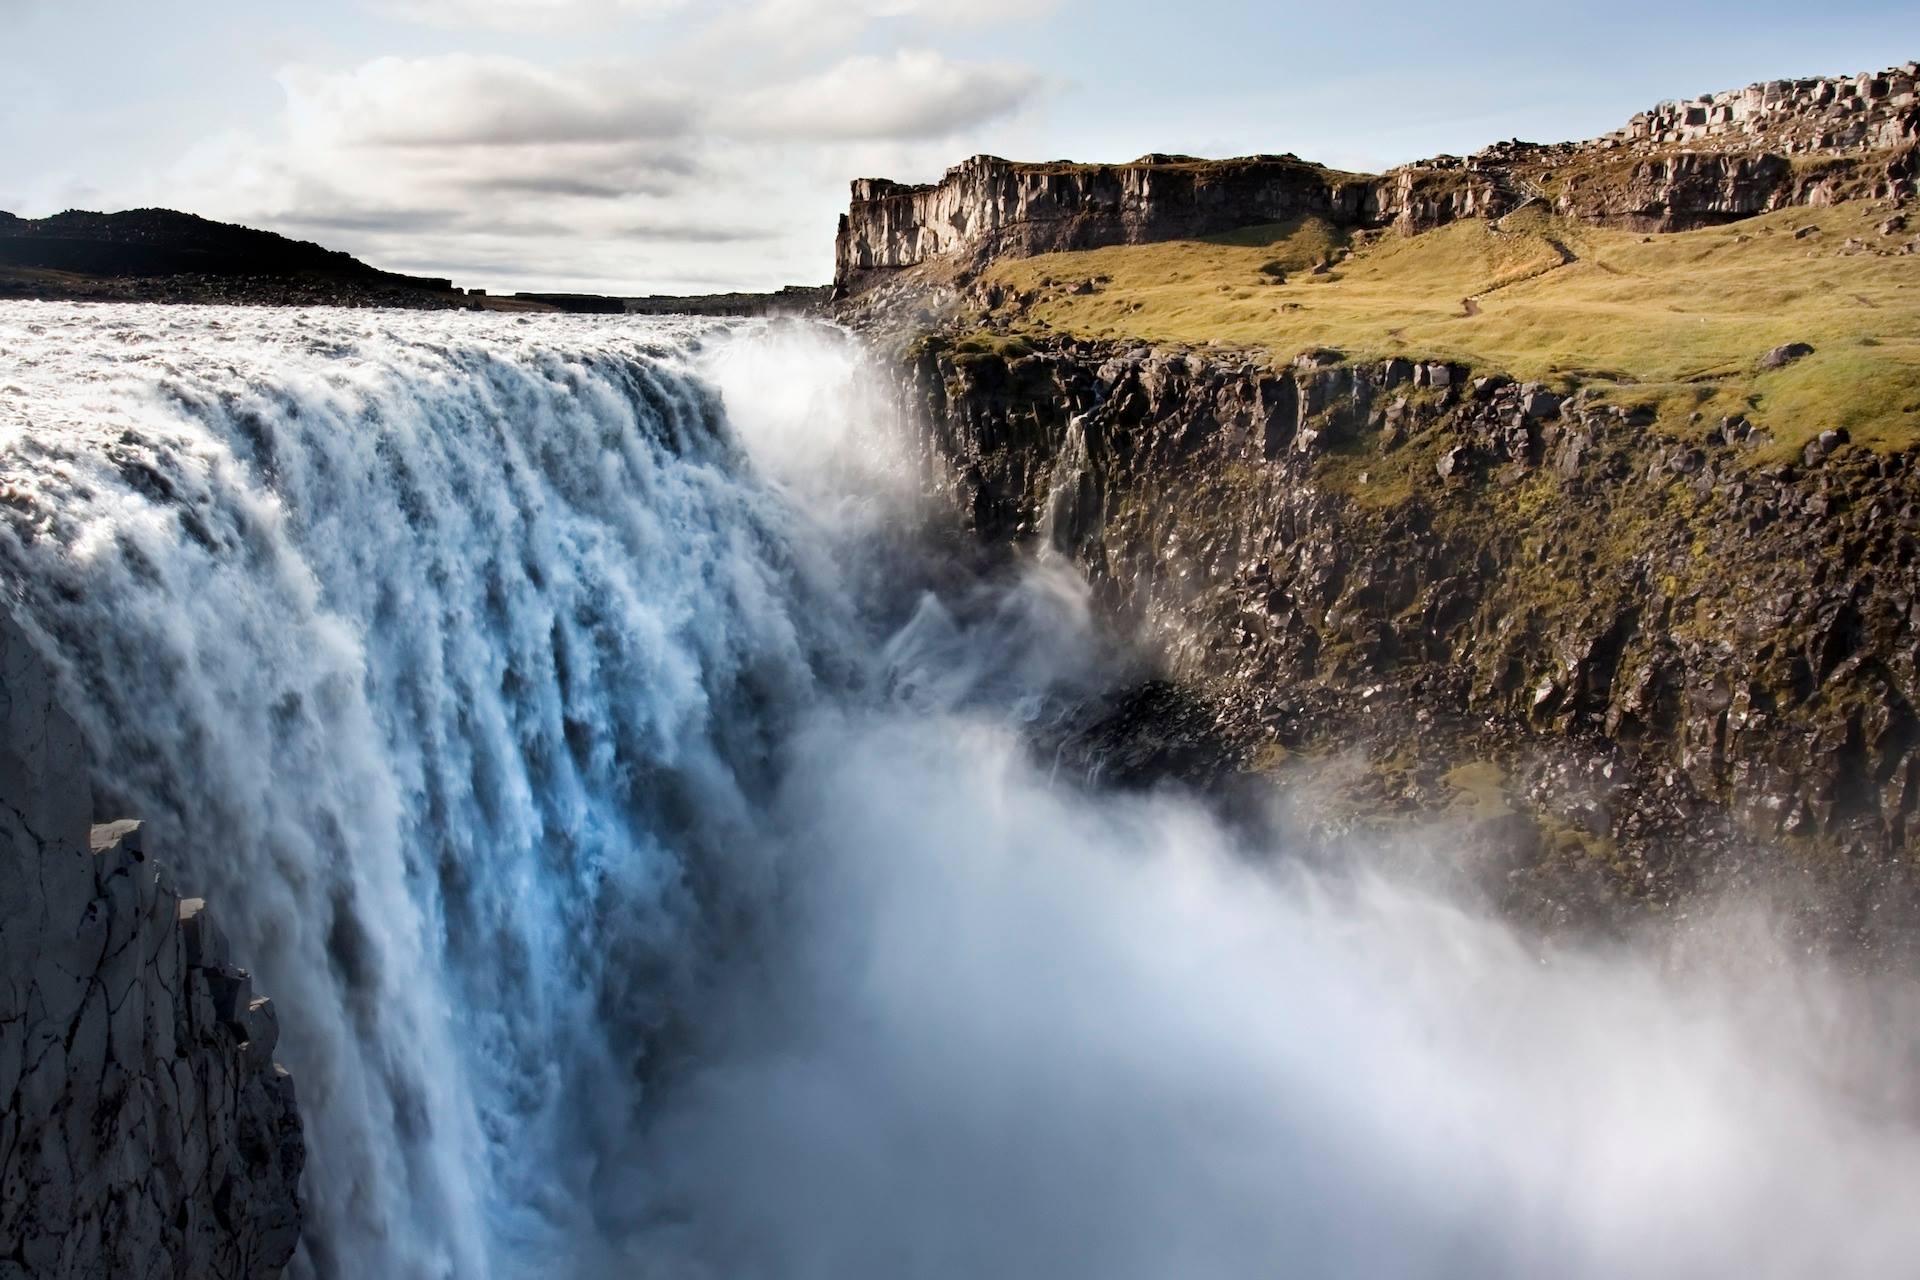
point(625, 802)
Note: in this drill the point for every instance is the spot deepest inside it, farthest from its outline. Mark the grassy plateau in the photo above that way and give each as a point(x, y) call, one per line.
point(1676, 321)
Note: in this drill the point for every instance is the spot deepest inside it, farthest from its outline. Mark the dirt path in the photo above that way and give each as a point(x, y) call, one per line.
point(1470, 307)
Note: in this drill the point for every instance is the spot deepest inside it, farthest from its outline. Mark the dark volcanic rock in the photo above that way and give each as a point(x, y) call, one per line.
point(147, 1131)
point(1506, 582)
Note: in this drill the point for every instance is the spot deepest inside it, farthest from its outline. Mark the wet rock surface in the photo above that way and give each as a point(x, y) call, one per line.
point(1636, 663)
point(147, 1130)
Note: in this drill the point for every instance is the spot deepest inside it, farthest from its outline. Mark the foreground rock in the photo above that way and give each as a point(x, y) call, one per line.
point(147, 1130)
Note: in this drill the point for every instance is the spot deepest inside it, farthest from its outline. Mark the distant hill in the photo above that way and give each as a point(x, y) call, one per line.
point(794, 299)
point(147, 243)
point(163, 255)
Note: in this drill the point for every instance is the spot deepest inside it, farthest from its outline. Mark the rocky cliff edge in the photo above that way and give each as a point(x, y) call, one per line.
point(147, 1131)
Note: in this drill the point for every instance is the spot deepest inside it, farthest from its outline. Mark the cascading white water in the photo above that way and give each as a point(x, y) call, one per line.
point(651, 880)
point(444, 659)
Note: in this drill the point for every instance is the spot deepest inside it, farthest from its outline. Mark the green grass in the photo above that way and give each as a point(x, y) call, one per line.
point(1674, 320)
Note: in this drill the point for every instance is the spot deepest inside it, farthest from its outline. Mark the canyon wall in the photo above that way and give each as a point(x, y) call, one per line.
point(1725, 156)
point(987, 206)
point(147, 1130)
point(1676, 658)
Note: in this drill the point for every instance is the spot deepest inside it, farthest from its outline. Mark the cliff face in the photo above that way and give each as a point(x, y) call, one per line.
point(1666, 653)
point(1725, 156)
point(147, 1131)
point(989, 206)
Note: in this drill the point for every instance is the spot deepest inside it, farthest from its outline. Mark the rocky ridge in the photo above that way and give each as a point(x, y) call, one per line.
point(1723, 156)
point(161, 255)
point(1866, 112)
point(147, 1130)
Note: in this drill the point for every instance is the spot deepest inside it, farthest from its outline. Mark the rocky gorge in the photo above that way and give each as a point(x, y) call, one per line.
point(1636, 652)
point(605, 751)
point(1637, 663)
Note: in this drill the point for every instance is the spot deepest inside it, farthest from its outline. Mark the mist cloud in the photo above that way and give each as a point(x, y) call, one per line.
point(1020, 1032)
point(1012, 1028)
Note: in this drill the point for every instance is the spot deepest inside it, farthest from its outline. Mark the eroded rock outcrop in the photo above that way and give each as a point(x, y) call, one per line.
point(147, 1130)
point(1869, 111)
point(987, 206)
point(1667, 650)
point(1724, 156)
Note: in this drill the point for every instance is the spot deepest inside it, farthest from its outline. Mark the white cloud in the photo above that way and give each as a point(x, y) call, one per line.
point(470, 100)
point(789, 31)
point(912, 94)
point(521, 14)
point(785, 15)
point(701, 163)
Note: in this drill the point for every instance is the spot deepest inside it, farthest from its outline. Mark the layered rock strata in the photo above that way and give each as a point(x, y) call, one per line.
point(147, 1131)
point(987, 206)
point(1724, 156)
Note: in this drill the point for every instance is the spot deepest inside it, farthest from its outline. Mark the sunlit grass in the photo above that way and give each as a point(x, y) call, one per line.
point(1678, 320)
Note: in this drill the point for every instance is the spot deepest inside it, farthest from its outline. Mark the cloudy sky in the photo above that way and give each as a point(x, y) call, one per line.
point(694, 145)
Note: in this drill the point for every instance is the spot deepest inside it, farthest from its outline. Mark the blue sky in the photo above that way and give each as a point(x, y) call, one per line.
point(676, 145)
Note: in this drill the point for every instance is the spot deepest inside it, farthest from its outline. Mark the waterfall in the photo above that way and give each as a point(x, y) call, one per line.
point(445, 661)
point(582, 731)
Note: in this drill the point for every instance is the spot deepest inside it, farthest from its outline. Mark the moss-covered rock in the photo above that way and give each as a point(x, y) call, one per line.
point(1677, 655)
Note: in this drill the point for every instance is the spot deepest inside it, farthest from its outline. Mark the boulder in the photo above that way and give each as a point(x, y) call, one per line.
point(1536, 401)
point(1782, 356)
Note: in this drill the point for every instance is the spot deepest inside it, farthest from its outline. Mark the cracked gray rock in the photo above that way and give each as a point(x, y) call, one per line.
point(147, 1131)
